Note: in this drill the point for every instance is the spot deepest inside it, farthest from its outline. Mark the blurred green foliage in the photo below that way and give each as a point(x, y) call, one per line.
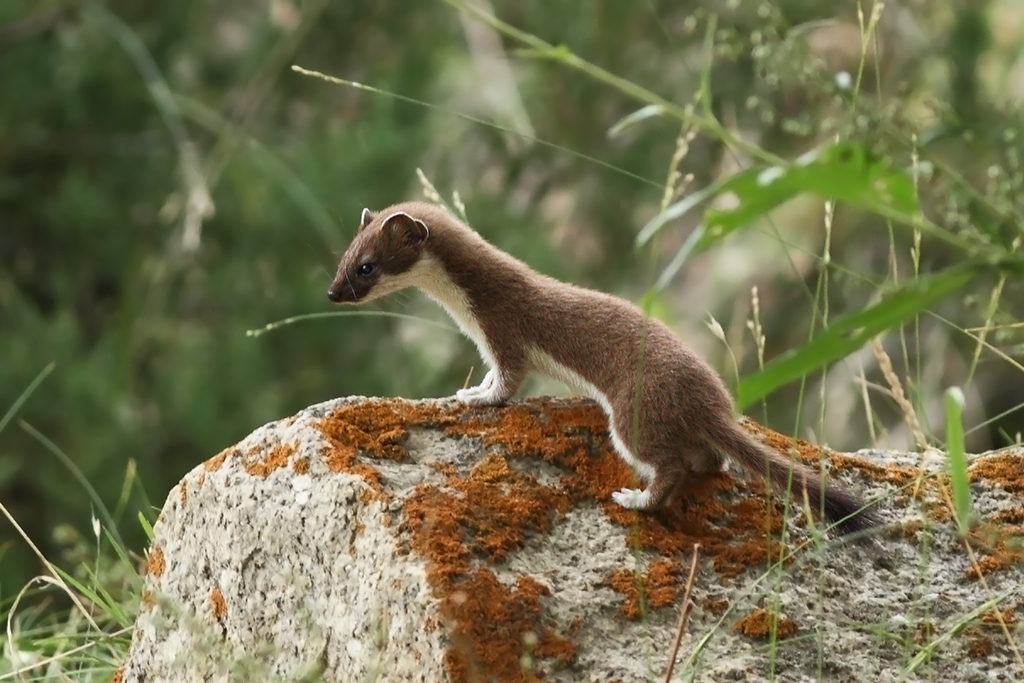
point(123, 123)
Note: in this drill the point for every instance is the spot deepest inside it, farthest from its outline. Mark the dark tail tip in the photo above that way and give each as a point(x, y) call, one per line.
point(850, 515)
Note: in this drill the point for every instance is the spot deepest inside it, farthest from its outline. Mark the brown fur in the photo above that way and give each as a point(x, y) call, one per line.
point(516, 316)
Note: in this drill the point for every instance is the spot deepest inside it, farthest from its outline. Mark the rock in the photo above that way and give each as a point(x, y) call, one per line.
point(390, 540)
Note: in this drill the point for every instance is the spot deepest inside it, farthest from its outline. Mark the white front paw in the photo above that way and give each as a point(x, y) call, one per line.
point(480, 396)
point(487, 393)
point(632, 499)
point(470, 395)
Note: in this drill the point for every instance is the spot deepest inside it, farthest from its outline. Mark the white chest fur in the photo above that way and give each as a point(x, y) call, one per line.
point(430, 276)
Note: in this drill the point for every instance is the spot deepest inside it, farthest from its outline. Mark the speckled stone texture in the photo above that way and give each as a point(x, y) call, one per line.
point(390, 540)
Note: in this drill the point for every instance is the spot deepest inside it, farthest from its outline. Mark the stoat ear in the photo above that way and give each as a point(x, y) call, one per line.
point(365, 219)
point(410, 229)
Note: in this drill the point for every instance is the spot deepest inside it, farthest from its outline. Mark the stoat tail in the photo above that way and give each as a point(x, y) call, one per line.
point(846, 511)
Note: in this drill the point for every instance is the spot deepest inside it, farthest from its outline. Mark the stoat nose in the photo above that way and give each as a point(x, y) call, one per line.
point(334, 295)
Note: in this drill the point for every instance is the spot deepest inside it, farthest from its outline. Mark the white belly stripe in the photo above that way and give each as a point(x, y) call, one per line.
point(544, 363)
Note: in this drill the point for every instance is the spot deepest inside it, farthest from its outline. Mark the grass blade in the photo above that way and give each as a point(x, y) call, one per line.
point(147, 528)
point(958, 477)
point(342, 314)
point(641, 114)
point(16, 406)
point(83, 481)
point(848, 334)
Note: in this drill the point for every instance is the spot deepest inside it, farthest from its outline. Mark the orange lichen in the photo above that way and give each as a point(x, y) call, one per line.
point(804, 451)
point(446, 468)
point(219, 604)
point(979, 645)
point(155, 563)
point(1006, 616)
point(1003, 469)
point(573, 437)
point(1003, 545)
point(478, 519)
point(735, 535)
point(985, 566)
point(183, 493)
point(300, 465)
point(811, 454)
point(715, 605)
point(761, 623)
point(524, 431)
point(924, 632)
point(897, 475)
point(495, 626)
point(938, 510)
point(908, 530)
point(277, 458)
point(485, 515)
point(216, 461)
point(118, 676)
point(374, 427)
point(657, 588)
point(489, 517)
point(492, 468)
point(1011, 516)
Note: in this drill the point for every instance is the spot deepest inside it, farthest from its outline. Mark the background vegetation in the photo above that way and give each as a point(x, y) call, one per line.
point(168, 183)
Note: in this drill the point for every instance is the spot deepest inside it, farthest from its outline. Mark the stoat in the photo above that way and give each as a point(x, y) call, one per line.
point(523, 321)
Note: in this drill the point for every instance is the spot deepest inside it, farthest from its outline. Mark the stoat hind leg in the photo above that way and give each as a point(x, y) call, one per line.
point(661, 481)
point(672, 481)
point(656, 494)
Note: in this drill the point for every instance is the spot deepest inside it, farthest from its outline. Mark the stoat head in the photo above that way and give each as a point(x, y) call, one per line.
point(381, 259)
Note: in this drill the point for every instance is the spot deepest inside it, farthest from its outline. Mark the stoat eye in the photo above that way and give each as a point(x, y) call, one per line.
point(365, 269)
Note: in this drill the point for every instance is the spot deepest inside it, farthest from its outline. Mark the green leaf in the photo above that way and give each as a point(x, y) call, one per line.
point(846, 335)
point(147, 528)
point(20, 401)
point(958, 478)
point(125, 559)
point(95, 594)
point(678, 210)
point(77, 473)
point(641, 114)
point(844, 171)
